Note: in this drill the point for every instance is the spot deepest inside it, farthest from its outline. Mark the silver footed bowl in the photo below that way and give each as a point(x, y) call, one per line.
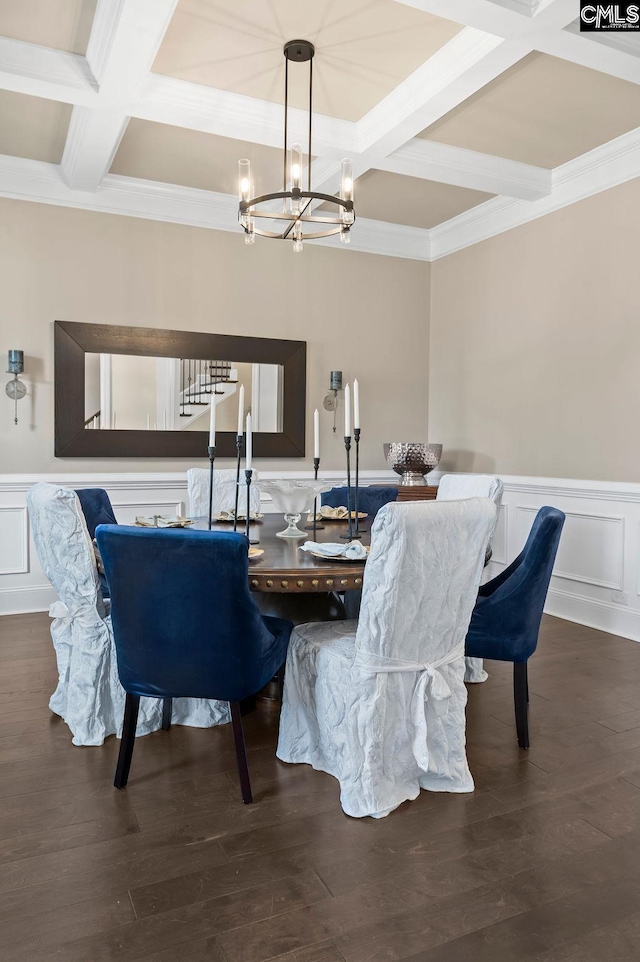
point(293, 498)
point(412, 459)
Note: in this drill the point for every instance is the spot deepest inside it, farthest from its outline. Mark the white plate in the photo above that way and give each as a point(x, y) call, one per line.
point(345, 520)
point(164, 521)
point(339, 557)
point(226, 517)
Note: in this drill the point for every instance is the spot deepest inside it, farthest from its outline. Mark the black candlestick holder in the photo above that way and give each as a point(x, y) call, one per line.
point(356, 438)
point(212, 457)
point(315, 526)
point(351, 534)
point(247, 476)
point(239, 455)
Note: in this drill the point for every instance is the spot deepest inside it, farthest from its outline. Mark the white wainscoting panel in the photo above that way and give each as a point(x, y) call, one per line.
point(596, 581)
point(14, 540)
point(501, 536)
point(591, 550)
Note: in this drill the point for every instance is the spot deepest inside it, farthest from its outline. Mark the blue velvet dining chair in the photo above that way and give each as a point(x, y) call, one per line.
point(185, 625)
point(96, 508)
point(506, 619)
point(370, 498)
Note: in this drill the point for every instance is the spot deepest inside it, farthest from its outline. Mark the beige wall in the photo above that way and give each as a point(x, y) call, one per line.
point(535, 346)
point(365, 314)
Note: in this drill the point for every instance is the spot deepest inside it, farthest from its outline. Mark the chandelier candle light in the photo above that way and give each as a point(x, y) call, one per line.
point(239, 436)
point(292, 209)
point(212, 455)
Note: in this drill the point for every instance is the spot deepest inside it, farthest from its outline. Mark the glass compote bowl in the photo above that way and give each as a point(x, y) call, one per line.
point(293, 498)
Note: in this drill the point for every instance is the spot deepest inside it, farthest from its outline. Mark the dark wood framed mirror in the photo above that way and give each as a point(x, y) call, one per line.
point(137, 392)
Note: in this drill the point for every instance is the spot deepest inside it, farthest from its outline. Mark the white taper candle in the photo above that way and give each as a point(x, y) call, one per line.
point(212, 423)
point(356, 404)
point(249, 448)
point(347, 412)
point(241, 410)
point(316, 434)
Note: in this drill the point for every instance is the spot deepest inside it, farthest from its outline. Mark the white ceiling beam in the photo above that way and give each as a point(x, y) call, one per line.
point(461, 67)
point(468, 168)
point(513, 20)
point(577, 48)
point(483, 15)
point(37, 71)
point(166, 100)
point(122, 46)
point(552, 29)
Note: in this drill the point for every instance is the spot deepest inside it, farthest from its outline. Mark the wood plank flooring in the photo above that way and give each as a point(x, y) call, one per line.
point(541, 863)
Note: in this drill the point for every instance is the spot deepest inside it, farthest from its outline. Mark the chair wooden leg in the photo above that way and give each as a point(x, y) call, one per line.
point(521, 702)
point(241, 752)
point(167, 707)
point(131, 705)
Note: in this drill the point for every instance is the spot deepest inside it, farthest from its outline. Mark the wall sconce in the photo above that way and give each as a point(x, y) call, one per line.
point(15, 389)
point(330, 402)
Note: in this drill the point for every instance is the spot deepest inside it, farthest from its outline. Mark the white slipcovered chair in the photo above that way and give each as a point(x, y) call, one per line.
point(453, 487)
point(380, 703)
point(89, 696)
point(224, 492)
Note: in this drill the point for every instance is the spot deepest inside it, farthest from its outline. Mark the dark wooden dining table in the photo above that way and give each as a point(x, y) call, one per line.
point(293, 584)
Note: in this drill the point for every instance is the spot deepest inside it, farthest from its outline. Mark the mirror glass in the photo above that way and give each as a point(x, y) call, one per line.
point(136, 393)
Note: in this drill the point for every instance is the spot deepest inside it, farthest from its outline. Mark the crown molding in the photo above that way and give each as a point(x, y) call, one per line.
point(599, 169)
point(131, 197)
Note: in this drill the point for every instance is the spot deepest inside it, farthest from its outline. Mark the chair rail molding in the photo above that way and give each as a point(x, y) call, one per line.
point(597, 575)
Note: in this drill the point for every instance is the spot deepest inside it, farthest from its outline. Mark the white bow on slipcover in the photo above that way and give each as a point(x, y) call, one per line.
point(431, 682)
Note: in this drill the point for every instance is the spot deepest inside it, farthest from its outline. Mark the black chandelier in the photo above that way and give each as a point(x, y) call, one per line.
point(292, 211)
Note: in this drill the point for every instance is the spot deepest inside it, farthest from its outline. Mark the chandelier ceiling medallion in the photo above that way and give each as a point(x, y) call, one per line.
point(292, 209)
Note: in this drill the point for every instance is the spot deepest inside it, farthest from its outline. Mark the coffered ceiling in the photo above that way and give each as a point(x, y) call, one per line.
point(365, 48)
point(463, 117)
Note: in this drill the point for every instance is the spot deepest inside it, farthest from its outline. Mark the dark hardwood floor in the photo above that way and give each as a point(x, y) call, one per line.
point(541, 863)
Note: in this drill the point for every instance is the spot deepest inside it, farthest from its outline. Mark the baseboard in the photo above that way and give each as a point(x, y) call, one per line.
point(26, 599)
point(606, 616)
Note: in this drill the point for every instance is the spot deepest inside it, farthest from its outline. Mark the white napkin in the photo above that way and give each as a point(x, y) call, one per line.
point(327, 513)
point(352, 549)
point(162, 521)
